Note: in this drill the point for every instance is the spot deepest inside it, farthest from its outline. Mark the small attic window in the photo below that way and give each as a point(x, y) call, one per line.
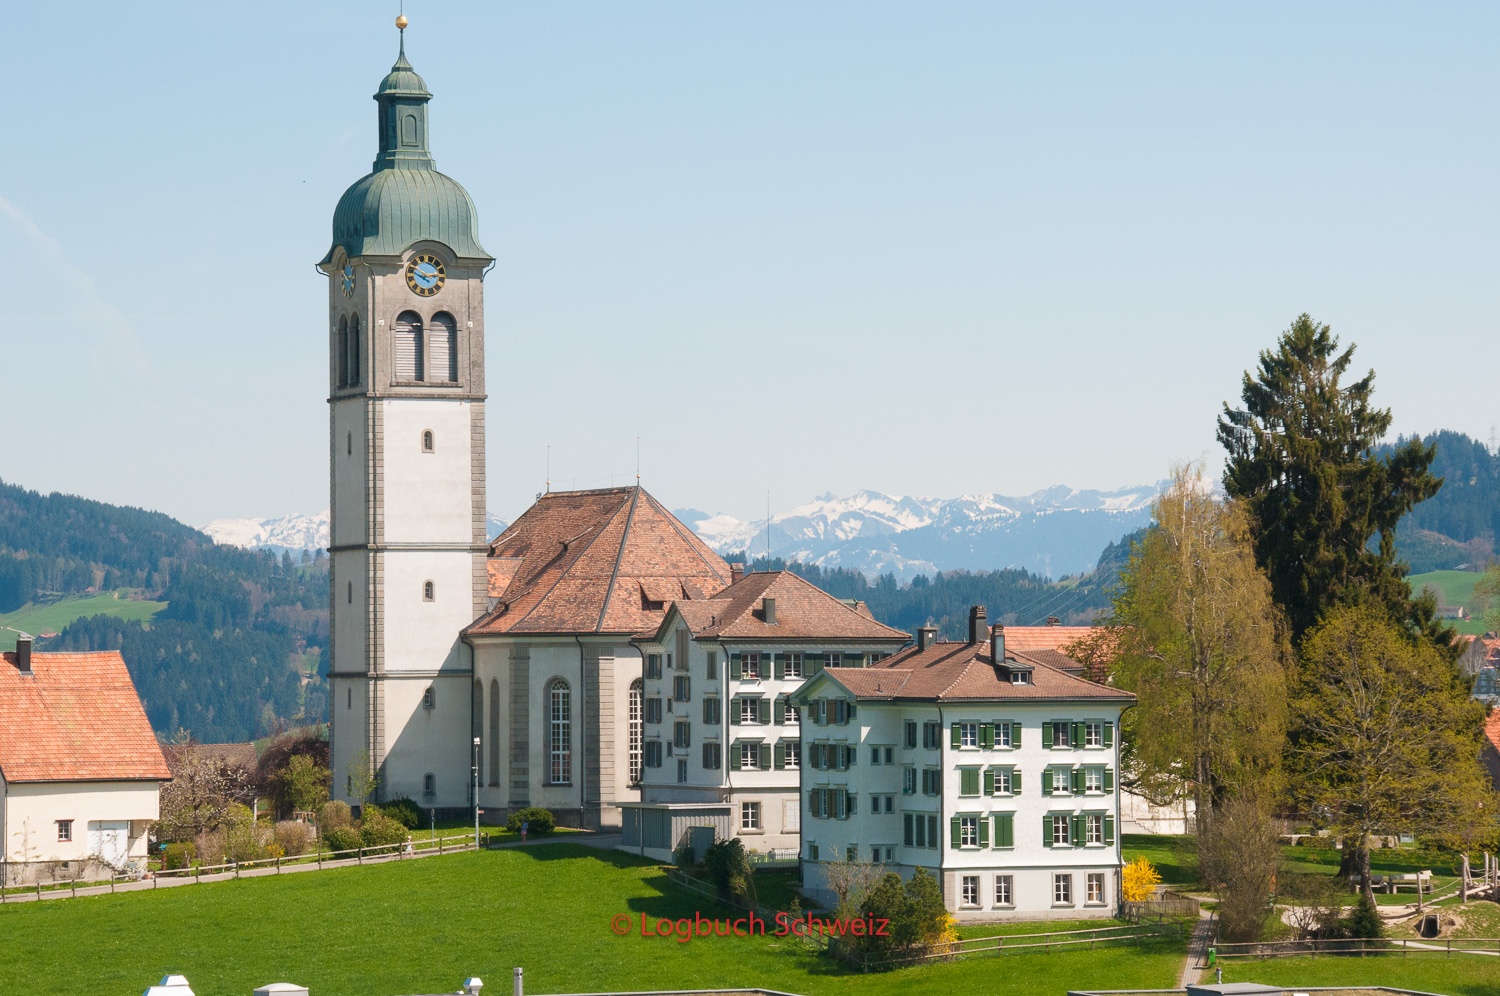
point(1020, 677)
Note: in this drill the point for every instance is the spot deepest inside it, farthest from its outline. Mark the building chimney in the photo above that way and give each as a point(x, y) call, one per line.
point(770, 610)
point(926, 637)
point(736, 573)
point(979, 626)
point(1053, 621)
point(23, 654)
point(997, 643)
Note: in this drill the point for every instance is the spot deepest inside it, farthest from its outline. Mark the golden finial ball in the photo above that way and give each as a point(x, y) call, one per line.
point(401, 21)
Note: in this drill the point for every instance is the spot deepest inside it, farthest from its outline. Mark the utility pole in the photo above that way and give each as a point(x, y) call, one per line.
point(475, 769)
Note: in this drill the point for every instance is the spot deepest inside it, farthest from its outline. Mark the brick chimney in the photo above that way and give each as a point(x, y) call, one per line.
point(926, 637)
point(1053, 621)
point(736, 573)
point(978, 624)
point(997, 643)
point(23, 654)
point(769, 610)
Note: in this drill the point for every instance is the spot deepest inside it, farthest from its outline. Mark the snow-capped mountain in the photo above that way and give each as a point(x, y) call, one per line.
point(290, 532)
point(1057, 531)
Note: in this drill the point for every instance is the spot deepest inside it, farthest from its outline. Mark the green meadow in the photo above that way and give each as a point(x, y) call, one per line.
point(52, 617)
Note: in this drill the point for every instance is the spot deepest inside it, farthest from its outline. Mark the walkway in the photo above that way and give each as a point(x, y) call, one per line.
point(1197, 954)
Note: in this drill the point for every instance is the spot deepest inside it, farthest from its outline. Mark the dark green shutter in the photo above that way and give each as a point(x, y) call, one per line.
point(1047, 736)
point(1109, 779)
point(778, 710)
point(813, 663)
point(1047, 831)
point(906, 826)
point(735, 667)
point(778, 666)
point(1077, 738)
point(984, 833)
point(1109, 829)
point(849, 801)
point(987, 735)
point(968, 781)
point(780, 755)
point(736, 752)
point(1075, 781)
point(958, 737)
point(850, 714)
point(956, 829)
point(1109, 734)
point(1076, 832)
point(765, 756)
point(989, 781)
point(1015, 782)
point(1015, 734)
point(1046, 781)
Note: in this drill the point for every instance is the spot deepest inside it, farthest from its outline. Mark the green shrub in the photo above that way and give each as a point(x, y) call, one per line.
point(729, 868)
point(404, 812)
point(539, 821)
point(342, 839)
point(379, 830)
point(1364, 921)
point(918, 925)
point(178, 855)
point(293, 838)
point(333, 815)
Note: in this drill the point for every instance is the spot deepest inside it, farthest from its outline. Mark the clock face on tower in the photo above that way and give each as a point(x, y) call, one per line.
point(348, 275)
point(425, 274)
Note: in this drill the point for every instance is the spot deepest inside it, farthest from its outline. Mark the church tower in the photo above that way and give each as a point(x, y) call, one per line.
point(406, 396)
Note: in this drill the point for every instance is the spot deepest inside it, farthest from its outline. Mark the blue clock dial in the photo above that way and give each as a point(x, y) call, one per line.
point(348, 280)
point(425, 274)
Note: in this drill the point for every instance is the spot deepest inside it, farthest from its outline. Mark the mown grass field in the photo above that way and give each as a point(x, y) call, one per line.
point(1457, 588)
point(1460, 975)
point(422, 926)
point(53, 616)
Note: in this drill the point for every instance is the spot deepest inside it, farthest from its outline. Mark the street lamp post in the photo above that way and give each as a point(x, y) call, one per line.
point(475, 769)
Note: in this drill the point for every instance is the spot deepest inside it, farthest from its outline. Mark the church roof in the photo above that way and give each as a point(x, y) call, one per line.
point(75, 717)
point(803, 612)
point(603, 561)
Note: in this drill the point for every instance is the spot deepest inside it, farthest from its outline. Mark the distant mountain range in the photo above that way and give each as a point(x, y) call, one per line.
point(293, 533)
point(1053, 532)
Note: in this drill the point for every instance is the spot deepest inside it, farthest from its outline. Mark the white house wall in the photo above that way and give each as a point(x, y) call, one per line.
point(32, 810)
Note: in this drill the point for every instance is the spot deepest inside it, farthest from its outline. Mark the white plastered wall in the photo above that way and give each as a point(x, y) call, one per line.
point(32, 810)
point(428, 496)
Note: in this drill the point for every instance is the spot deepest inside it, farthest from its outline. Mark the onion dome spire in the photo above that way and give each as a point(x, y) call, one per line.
point(403, 98)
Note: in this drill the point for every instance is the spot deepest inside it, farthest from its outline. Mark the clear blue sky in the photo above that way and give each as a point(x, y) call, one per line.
point(923, 248)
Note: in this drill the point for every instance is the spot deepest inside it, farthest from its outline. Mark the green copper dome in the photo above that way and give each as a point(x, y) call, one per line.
point(404, 199)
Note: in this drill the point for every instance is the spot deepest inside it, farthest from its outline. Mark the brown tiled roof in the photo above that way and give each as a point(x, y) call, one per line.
point(591, 562)
point(1492, 727)
point(237, 755)
point(803, 612)
point(1043, 637)
point(76, 717)
point(949, 672)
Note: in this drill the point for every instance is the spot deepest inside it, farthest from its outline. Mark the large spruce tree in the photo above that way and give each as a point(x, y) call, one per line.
point(1302, 461)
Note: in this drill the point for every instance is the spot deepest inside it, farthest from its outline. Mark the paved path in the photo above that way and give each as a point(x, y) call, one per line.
point(1197, 953)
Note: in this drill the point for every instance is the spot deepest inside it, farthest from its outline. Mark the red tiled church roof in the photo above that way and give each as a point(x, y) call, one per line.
point(803, 612)
point(76, 717)
point(603, 561)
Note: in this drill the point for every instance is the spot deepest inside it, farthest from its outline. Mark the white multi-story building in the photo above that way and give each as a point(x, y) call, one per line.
point(721, 740)
point(994, 771)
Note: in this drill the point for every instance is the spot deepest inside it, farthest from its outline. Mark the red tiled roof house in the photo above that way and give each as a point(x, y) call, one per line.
point(79, 766)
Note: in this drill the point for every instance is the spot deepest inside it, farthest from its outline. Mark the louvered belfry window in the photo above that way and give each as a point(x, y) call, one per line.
point(343, 350)
point(443, 340)
point(355, 373)
point(408, 335)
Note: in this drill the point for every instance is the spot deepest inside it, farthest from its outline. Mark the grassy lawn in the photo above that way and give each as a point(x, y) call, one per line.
point(422, 926)
point(1477, 919)
point(1466, 975)
point(53, 616)
point(1457, 588)
point(1175, 857)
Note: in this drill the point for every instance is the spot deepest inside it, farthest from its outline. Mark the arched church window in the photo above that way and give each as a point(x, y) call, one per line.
point(349, 444)
point(426, 440)
point(408, 336)
point(351, 592)
point(429, 786)
point(409, 130)
point(428, 591)
point(442, 342)
point(343, 351)
point(355, 374)
point(494, 731)
point(559, 733)
point(429, 698)
point(637, 732)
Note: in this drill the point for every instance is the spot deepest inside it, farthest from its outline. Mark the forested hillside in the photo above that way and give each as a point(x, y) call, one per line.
point(1460, 525)
point(235, 653)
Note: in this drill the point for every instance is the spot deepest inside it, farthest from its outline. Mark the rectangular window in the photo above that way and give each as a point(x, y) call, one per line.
point(711, 710)
point(681, 772)
point(681, 688)
point(1062, 890)
point(711, 667)
point(1093, 735)
point(792, 753)
point(1002, 735)
point(1096, 829)
point(921, 835)
point(1059, 830)
point(750, 667)
point(1004, 781)
point(64, 830)
point(750, 816)
point(909, 781)
point(752, 711)
point(968, 734)
point(1056, 734)
point(653, 710)
point(753, 756)
point(681, 734)
point(711, 756)
point(835, 660)
point(793, 665)
point(911, 735)
point(1093, 779)
point(968, 831)
point(653, 753)
point(970, 890)
point(932, 736)
point(932, 830)
point(1096, 888)
point(653, 665)
point(932, 781)
point(968, 781)
point(1005, 890)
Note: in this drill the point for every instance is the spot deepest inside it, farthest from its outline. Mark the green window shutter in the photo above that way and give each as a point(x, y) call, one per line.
point(956, 829)
point(736, 752)
point(1047, 736)
point(1015, 734)
point(735, 667)
point(778, 710)
point(984, 833)
point(1076, 739)
point(1109, 779)
point(1046, 781)
point(813, 663)
point(968, 781)
point(1005, 829)
point(1109, 829)
point(1076, 834)
point(989, 781)
point(986, 735)
point(1109, 734)
point(765, 756)
point(1015, 782)
point(907, 837)
point(1047, 830)
point(780, 755)
point(1075, 781)
point(957, 737)
point(851, 712)
point(778, 666)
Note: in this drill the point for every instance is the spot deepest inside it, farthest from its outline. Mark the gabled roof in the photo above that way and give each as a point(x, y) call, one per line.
point(1043, 637)
point(965, 672)
point(803, 612)
point(603, 561)
point(230, 755)
point(76, 717)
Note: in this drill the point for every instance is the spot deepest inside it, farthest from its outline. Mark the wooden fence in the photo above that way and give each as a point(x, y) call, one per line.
point(233, 869)
point(1364, 947)
point(1163, 906)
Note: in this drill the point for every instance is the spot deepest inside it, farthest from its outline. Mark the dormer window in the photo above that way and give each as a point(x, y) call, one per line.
point(1020, 677)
